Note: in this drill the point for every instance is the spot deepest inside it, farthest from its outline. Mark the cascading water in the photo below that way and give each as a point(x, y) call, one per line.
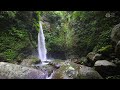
point(42, 51)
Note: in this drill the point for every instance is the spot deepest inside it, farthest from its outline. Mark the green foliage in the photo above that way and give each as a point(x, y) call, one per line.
point(58, 34)
point(77, 32)
point(104, 39)
point(105, 50)
point(69, 32)
point(10, 55)
point(18, 31)
point(7, 14)
point(92, 29)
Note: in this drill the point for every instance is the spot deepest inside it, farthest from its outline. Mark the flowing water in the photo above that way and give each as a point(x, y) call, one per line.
point(42, 51)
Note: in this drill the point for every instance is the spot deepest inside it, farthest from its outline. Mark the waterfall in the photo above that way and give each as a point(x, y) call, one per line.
point(41, 45)
point(42, 51)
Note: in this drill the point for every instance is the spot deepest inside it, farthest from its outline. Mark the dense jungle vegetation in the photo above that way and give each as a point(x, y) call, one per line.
point(82, 44)
point(67, 33)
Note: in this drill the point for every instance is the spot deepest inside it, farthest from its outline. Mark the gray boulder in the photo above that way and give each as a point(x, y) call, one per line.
point(105, 68)
point(97, 57)
point(12, 71)
point(90, 56)
point(104, 63)
point(115, 34)
point(88, 73)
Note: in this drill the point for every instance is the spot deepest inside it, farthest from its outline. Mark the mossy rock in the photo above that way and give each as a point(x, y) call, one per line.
point(66, 71)
point(35, 60)
point(106, 50)
point(30, 61)
point(70, 70)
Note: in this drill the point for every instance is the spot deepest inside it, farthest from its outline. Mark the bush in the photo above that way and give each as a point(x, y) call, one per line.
point(2, 57)
point(10, 55)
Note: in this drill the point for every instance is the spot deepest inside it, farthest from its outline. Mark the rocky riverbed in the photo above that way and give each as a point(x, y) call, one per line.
point(83, 68)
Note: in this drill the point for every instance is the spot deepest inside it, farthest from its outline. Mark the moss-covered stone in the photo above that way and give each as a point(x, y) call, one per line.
point(70, 70)
point(35, 60)
point(66, 71)
point(30, 61)
point(106, 50)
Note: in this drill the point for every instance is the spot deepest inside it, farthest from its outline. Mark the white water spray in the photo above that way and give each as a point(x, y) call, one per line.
point(42, 51)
